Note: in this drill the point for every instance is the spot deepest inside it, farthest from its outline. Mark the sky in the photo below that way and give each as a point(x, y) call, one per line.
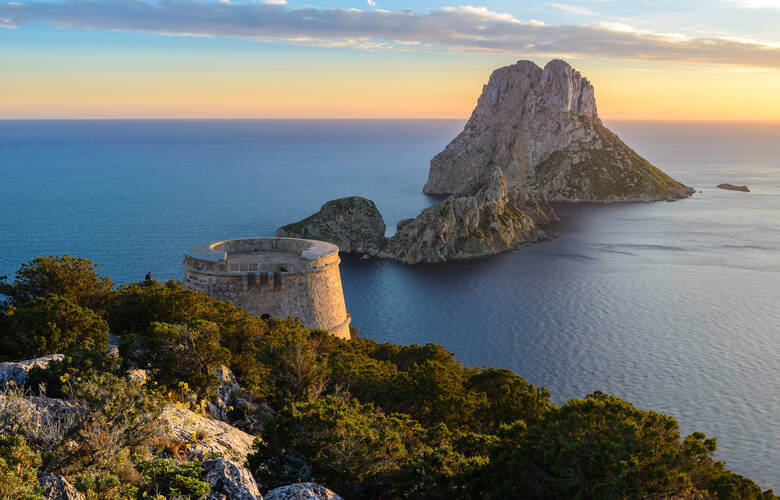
point(647, 59)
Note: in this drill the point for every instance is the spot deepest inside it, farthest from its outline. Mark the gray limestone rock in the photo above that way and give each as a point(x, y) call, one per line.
point(488, 221)
point(302, 491)
point(235, 407)
point(231, 480)
point(541, 128)
point(354, 224)
point(228, 391)
point(214, 436)
point(56, 487)
point(17, 372)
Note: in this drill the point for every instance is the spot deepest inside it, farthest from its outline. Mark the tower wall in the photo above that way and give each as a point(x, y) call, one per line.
point(278, 276)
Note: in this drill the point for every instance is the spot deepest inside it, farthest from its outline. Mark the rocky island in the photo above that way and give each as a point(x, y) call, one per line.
point(542, 129)
point(732, 187)
point(488, 220)
point(535, 136)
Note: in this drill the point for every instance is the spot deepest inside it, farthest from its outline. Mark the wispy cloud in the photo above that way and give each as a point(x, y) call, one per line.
point(573, 9)
point(470, 29)
point(757, 4)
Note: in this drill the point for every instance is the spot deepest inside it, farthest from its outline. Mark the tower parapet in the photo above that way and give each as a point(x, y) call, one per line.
point(281, 277)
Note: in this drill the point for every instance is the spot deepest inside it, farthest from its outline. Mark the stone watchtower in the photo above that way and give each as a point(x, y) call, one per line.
point(278, 276)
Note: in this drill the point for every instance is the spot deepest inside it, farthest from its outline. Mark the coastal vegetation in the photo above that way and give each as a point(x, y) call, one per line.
point(366, 419)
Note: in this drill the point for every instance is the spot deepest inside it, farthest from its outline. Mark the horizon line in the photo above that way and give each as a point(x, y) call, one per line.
point(164, 118)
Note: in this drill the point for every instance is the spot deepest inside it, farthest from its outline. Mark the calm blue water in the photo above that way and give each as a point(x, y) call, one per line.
point(673, 306)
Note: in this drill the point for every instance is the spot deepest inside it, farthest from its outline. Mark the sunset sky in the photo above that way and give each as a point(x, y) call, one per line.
point(681, 60)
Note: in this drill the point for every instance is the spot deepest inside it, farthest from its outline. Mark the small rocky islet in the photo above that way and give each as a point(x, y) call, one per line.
point(733, 187)
point(534, 137)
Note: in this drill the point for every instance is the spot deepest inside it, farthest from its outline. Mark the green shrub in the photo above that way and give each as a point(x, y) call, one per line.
point(179, 354)
point(104, 486)
point(166, 477)
point(74, 366)
point(292, 363)
point(600, 447)
point(51, 324)
point(19, 469)
point(115, 418)
point(138, 306)
point(71, 277)
point(351, 447)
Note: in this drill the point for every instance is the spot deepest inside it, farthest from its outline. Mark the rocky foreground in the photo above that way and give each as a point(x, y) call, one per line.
point(542, 129)
point(489, 220)
point(221, 447)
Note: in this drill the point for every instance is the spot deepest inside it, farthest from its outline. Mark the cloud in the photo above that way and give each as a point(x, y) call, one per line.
point(573, 9)
point(756, 4)
point(463, 29)
point(371, 3)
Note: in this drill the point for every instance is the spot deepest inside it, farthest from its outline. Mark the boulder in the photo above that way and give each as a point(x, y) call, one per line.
point(56, 487)
point(302, 491)
point(228, 391)
point(205, 435)
point(17, 372)
point(488, 221)
point(541, 128)
point(403, 222)
point(732, 187)
point(354, 224)
point(138, 375)
point(235, 407)
point(231, 480)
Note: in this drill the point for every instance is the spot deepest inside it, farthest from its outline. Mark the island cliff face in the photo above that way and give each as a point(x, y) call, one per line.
point(488, 221)
point(541, 128)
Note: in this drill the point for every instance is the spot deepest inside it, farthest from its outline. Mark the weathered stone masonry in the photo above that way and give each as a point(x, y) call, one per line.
point(278, 276)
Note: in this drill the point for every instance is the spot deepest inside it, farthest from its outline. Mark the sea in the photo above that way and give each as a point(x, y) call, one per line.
point(672, 306)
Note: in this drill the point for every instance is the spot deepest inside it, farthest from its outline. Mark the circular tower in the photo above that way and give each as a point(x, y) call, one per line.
point(278, 276)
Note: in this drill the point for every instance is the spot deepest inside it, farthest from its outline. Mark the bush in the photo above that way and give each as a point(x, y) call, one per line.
point(136, 307)
point(174, 480)
point(104, 486)
point(114, 417)
point(292, 364)
point(351, 447)
point(179, 354)
point(51, 324)
point(18, 469)
point(600, 447)
point(75, 365)
point(70, 277)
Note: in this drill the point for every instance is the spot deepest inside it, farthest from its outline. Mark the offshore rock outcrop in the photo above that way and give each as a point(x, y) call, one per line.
point(542, 129)
point(487, 221)
point(353, 224)
point(733, 187)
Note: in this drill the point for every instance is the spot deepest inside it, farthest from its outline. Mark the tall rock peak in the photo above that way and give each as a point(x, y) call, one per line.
point(541, 128)
point(567, 87)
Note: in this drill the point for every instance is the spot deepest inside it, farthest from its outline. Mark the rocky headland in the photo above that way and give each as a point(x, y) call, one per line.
point(542, 129)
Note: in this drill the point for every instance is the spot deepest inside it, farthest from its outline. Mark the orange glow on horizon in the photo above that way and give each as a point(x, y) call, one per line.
point(624, 90)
